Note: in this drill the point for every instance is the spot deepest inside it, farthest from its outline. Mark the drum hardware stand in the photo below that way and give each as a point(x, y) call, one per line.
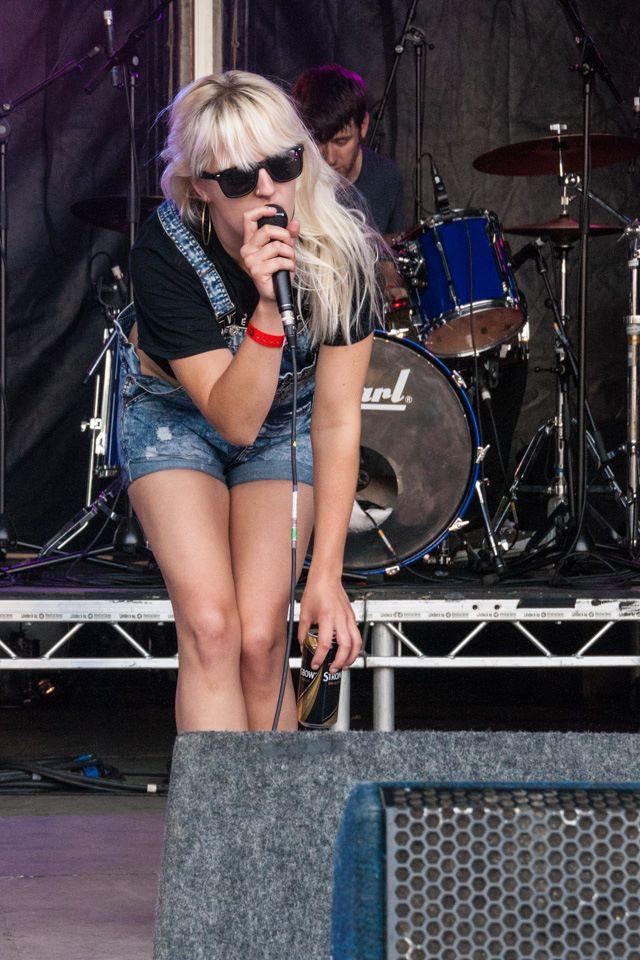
point(561, 503)
point(129, 533)
point(486, 519)
point(591, 64)
point(416, 36)
point(101, 463)
point(99, 421)
point(561, 507)
point(7, 531)
point(632, 328)
point(480, 484)
point(113, 299)
point(102, 504)
point(486, 374)
point(111, 296)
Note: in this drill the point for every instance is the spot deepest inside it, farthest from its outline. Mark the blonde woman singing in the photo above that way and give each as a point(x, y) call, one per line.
point(206, 408)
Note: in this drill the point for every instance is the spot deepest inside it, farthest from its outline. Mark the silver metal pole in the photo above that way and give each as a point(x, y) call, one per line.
point(344, 706)
point(632, 323)
point(560, 481)
point(382, 645)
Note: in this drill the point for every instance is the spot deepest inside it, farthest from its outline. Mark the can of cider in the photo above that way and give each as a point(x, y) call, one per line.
point(318, 690)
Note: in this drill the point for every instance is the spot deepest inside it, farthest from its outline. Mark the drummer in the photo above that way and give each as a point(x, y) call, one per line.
point(333, 104)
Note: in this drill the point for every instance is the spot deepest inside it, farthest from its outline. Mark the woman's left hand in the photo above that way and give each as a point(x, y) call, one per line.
point(325, 603)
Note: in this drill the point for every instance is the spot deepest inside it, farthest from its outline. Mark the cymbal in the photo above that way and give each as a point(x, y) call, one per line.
point(562, 230)
point(111, 212)
point(531, 158)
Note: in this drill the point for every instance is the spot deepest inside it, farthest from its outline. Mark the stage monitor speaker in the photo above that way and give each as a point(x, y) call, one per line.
point(252, 822)
point(486, 871)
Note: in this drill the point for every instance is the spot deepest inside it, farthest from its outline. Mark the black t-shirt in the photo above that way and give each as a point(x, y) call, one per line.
point(175, 316)
point(380, 183)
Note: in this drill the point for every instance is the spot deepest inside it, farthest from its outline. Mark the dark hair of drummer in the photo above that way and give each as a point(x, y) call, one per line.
point(329, 98)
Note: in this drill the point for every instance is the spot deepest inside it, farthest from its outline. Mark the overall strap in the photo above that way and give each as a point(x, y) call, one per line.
point(190, 248)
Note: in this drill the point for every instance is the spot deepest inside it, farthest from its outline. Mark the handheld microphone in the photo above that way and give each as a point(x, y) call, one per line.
point(440, 195)
point(107, 16)
point(282, 279)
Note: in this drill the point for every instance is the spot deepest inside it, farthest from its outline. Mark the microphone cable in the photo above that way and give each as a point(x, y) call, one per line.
point(284, 299)
point(292, 342)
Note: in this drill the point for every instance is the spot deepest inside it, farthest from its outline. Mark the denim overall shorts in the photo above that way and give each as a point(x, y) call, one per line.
point(159, 426)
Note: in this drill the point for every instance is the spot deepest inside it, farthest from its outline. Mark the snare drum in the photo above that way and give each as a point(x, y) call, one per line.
point(467, 294)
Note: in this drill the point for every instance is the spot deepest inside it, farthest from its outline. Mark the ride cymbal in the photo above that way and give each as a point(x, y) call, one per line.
point(562, 230)
point(531, 158)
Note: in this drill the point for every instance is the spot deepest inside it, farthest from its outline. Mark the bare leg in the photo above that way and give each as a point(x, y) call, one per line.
point(185, 517)
point(261, 557)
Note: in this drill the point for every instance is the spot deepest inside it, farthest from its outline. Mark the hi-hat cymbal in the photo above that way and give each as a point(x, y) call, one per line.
point(531, 158)
point(563, 230)
point(111, 212)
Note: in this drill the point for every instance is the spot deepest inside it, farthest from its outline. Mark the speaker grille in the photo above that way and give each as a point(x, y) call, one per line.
point(505, 874)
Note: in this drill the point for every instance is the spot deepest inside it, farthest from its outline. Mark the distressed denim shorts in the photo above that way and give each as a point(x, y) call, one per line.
point(160, 428)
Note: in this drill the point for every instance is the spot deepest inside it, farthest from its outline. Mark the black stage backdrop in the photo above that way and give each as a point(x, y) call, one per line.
point(498, 73)
point(64, 146)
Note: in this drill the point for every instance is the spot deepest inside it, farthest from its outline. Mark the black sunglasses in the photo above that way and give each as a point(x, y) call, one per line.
point(238, 183)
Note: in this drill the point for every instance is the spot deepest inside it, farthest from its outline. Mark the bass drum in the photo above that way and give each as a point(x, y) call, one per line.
point(417, 458)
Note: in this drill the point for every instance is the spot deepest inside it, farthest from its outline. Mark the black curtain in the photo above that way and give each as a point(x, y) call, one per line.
point(64, 146)
point(498, 73)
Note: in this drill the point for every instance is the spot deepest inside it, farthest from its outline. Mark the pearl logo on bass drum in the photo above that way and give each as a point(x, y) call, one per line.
point(387, 398)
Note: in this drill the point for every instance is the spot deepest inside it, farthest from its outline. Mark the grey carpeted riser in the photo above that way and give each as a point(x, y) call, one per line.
point(252, 818)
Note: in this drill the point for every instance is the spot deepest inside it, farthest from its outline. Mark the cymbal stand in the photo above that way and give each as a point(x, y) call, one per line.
point(632, 326)
point(561, 504)
point(127, 58)
point(590, 66)
point(561, 500)
point(417, 36)
point(398, 49)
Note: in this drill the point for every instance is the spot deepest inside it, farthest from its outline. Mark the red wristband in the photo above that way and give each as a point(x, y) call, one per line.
point(265, 339)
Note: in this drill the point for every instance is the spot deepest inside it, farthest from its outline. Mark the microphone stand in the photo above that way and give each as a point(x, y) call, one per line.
point(128, 536)
point(7, 530)
point(417, 37)
point(127, 57)
point(399, 50)
point(591, 64)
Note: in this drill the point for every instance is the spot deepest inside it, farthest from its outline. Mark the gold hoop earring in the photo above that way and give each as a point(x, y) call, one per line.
point(206, 239)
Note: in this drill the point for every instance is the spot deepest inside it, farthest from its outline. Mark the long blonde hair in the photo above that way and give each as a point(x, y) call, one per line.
point(236, 119)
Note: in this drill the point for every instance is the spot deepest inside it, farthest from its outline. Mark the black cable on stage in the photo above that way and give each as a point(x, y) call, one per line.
point(12, 779)
point(294, 535)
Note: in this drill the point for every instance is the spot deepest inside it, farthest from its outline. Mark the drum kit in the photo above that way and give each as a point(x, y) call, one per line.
point(461, 328)
point(423, 444)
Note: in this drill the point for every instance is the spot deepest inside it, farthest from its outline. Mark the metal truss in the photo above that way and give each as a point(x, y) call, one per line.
point(387, 645)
